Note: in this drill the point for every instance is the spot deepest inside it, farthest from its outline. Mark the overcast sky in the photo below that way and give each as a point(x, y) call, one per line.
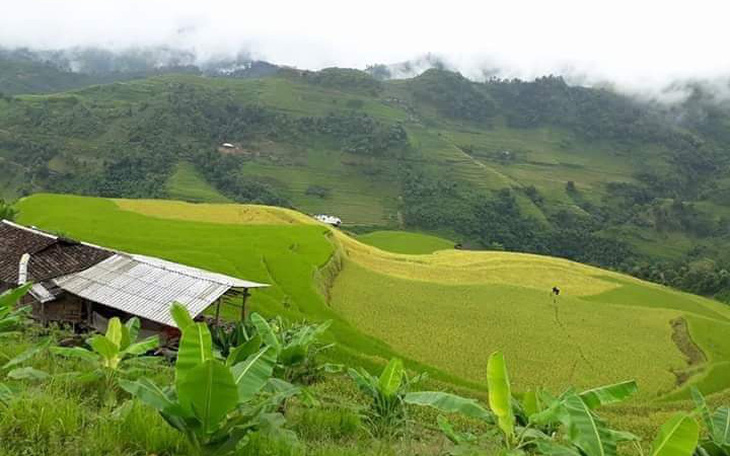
point(636, 43)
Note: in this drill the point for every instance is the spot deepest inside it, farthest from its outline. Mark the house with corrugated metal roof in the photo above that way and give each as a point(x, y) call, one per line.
point(81, 283)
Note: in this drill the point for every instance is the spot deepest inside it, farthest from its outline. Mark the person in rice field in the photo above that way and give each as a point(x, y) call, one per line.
point(556, 291)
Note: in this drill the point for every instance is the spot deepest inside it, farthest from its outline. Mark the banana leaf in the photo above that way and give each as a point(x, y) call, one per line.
point(27, 373)
point(142, 347)
point(114, 332)
point(293, 354)
point(531, 403)
point(210, 393)
point(265, 331)
point(252, 374)
point(364, 381)
point(677, 437)
point(27, 354)
point(196, 347)
point(243, 351)
point(151, 394)
point(11, 297)
point(5, 393)
point(450, 403)
point(181, 316)
point(585, 430)
point(721, 427)
point(130, 331)
point(391, 378)
point(500, 394)
point(104, 346)
point(608, 394)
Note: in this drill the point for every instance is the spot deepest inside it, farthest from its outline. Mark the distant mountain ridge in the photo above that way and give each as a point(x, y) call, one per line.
point(32, 71)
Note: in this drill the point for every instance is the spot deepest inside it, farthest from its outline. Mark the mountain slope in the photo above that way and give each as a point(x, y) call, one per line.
point(540, 166)
point(443, 311)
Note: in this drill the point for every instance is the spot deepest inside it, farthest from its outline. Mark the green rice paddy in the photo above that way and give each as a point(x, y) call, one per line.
point(443, 311)
point(405, 242)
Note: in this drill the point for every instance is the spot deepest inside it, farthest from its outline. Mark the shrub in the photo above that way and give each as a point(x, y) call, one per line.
point(386, 414)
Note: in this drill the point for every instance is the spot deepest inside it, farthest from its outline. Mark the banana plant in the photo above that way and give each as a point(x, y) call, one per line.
point(531, 425)
point(386, 414)
point(717, 424)
point(114, 354)
point(296, 347)
point(229, 336)
point(12, 318)
point(215, 403)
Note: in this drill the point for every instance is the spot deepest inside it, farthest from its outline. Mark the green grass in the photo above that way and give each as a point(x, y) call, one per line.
point(187, 185)
point(444, 312)
point(405, 242)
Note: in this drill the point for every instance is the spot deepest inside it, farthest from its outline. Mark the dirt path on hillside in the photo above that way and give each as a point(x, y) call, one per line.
point(692, 352)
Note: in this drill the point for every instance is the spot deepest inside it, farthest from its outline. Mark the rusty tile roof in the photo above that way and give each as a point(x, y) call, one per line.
point(50, 256)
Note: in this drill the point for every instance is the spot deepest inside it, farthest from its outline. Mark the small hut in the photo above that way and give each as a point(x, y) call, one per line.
point(76, 282)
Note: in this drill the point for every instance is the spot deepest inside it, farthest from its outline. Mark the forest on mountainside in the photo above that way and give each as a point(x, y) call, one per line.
point(434, 145)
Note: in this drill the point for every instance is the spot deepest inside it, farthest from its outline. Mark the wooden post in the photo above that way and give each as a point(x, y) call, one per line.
point(218, 311)
point(89, 315)
point(246, 294)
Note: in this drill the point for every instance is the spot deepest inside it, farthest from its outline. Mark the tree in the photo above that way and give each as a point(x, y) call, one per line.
point(7, 212)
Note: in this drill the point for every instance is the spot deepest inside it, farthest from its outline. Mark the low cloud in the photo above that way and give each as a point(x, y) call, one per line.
point(642, 47)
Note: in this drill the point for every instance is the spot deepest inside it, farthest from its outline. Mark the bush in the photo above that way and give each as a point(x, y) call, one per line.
point(318, 190)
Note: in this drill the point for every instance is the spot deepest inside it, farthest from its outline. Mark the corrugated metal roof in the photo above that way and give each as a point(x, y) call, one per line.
point(223, 279)
point(147, 287)
point(41, 293)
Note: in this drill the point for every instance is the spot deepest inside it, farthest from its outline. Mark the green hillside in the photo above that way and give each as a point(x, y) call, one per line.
point(186, 184)
point(444, 312)
point(540, 166)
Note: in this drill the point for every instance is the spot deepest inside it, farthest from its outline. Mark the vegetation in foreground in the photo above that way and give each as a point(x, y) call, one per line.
point(237, 405)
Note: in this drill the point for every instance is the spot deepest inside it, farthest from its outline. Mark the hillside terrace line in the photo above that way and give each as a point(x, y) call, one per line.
point(80, 283)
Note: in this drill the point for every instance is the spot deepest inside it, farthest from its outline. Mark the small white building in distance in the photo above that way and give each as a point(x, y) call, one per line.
point(329, 219)
point(228, 146)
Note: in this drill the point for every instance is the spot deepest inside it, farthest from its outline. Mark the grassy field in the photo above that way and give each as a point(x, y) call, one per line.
point(405, 242)
point(444, 311)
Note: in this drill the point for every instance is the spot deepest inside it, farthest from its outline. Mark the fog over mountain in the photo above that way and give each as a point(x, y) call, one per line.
point(639, 47)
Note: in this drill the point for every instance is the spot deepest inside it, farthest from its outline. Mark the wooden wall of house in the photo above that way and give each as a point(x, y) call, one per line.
point(66, 308)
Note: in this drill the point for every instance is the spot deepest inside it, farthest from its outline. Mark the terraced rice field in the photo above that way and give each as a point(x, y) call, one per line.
point(405, 242)
point(443, 311)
